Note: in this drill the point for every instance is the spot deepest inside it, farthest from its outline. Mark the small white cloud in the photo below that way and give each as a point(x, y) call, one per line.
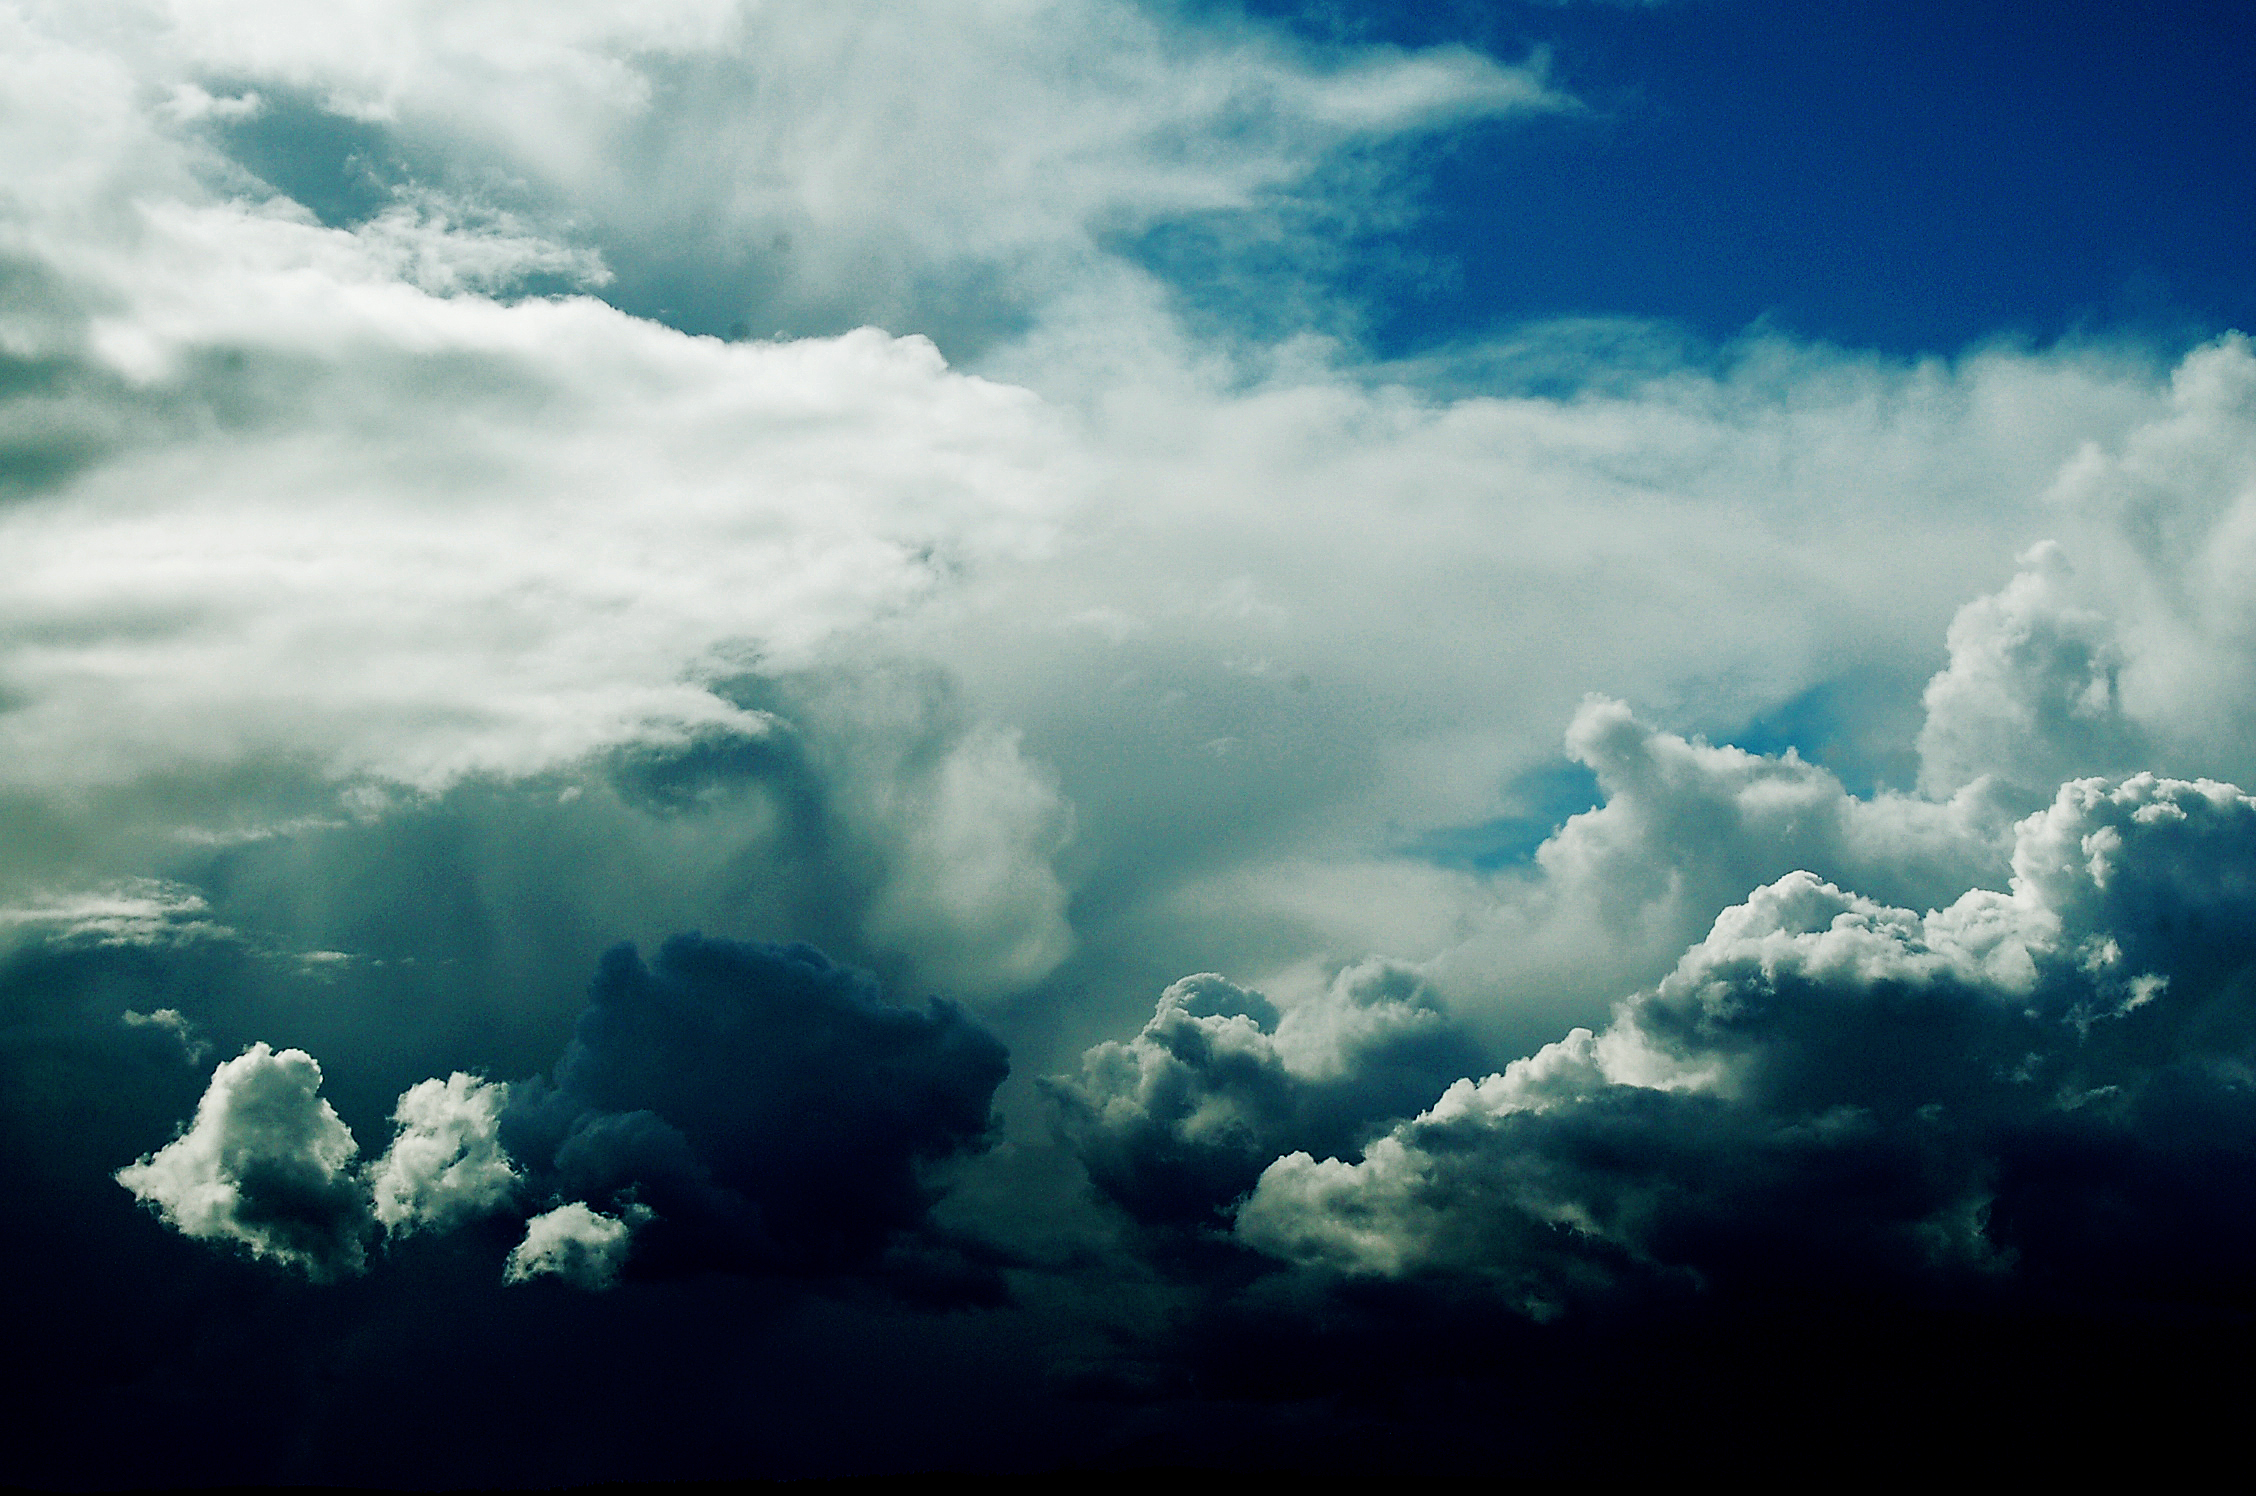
point(172, 1021)
point(572, 1242)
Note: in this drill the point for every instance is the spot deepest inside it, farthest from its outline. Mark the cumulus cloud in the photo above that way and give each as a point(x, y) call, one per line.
point(778, 1115)
point(759, 1109)
point(265, 1165)
point(581, 1246)
point(1683, 829)
point(2033, 692)
point(2128, 642)
point(1836, 1091)
point(446, 1163)
point(1176, 1124)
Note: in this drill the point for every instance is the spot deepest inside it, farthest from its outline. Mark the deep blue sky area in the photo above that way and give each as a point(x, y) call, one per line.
point(1903, 176)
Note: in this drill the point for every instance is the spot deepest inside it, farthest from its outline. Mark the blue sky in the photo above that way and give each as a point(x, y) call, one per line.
point(1905, 177)
point(772, 740)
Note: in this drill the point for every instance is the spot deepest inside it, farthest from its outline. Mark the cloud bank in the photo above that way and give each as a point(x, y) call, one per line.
point(929, 497)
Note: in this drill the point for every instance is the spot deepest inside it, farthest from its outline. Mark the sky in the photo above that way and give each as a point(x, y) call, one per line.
point(766, 741)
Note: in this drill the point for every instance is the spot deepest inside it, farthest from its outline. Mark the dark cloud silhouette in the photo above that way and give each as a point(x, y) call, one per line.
point(770, 1108)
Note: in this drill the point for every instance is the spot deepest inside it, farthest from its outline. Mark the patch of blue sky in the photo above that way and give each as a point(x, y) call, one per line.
point(1538, 801)
point(1904, 176)
point(1862, 726)
point(343, 171)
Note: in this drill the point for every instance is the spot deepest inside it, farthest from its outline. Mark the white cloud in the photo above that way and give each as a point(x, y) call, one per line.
point(1175, 1124)
point(2132, 641)
point(137, 911)
point(320, 511)
point(446, 1164)
point(266, 1164)
point(583, 1247)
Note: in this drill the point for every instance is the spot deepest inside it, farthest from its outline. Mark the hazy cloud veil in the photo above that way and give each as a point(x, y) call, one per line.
point(908, 515)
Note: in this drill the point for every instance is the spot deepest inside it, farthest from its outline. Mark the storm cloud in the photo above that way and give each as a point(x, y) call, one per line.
point(1370, 769)
point(1831, 1091)
point(769, 1108)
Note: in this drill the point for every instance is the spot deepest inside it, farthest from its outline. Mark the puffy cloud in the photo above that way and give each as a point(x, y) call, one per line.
point(761, 1109)
point(1177, 1123)
point(2130, 642)
point(1684, 828)
point(1831, 1091)
point(2033, 691)
point(446, 1163)
point(267, 1165)
point(773, 1110)
point(583, 1247)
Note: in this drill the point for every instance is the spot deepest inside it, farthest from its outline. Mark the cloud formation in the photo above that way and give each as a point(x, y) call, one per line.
point(1831, 1090)
point(266, 1165)
point(2128, 642)
point(942, 490)
point(573, 1243)
point(1176, 1124)
point(772, 1109)
point(446, 1163)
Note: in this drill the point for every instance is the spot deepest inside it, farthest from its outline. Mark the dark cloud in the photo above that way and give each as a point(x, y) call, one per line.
point(772, 1110)
point(1176, 1124)
point(1840, 1101)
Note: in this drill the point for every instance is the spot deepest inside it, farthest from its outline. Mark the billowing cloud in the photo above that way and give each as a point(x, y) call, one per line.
point(446, 1163)
point(943, 491)
point(266, 1165)
point(772, 1109)
point(1176, 1124)
point(1832, 1090)
point(1683, 830)
point(571, 1242)
point(2128, 642)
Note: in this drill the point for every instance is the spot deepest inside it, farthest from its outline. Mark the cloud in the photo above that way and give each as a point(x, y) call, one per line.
point(267, 1165)
point(1683, 829)
point(2128, 642)
point(136, 912)
point(1833, 1092)
point(173, 1022)
point(772, 1109)
point(2033, 692)
point(446, 1163)
point(1176, 1124)
point(800, 166)
point(572, 1242)
point(748, 1108)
